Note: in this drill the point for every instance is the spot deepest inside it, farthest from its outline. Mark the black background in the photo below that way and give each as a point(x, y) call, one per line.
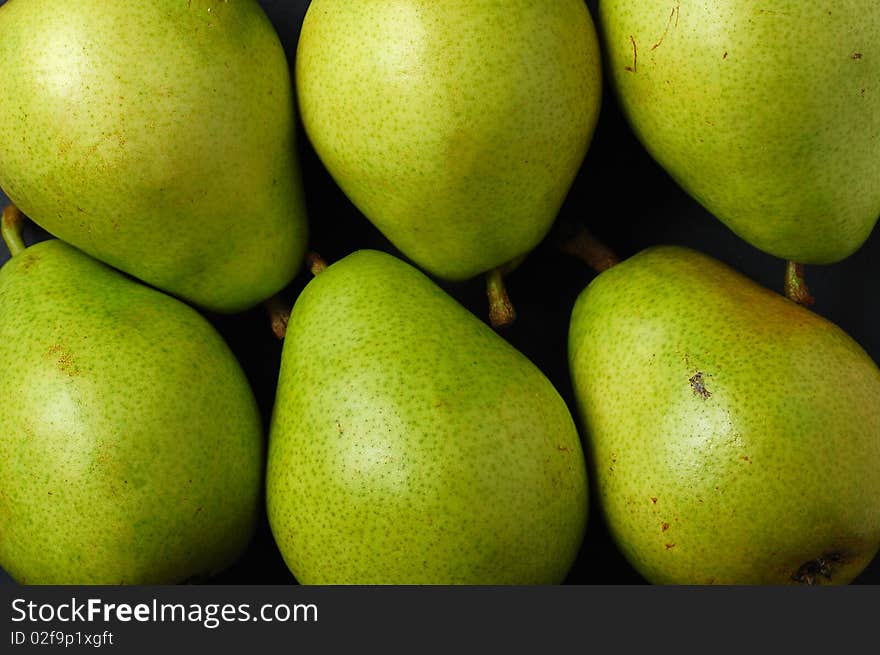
point(627, 200)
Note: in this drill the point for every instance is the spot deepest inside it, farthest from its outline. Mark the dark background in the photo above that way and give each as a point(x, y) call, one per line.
point(627, 200)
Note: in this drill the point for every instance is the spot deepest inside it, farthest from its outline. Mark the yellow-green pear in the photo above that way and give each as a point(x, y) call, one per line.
point(767, 113)
point(158, 137)
point(131, 450)
point(410, 444)
point(456, 127)
point(733, 435)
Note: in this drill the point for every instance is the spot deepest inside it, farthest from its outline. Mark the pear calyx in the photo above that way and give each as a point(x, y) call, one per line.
point(822, 566)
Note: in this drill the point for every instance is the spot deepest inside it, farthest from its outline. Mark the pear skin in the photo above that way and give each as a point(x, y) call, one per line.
point(767, 113)
point(456, 127)
point(157, 137)
point(410, 444)
point(733, 435)
point(131, 450)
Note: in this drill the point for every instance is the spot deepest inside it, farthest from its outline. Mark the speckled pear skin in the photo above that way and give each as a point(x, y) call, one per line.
point(158, 137)
point(456, 127)
point(410, 444)
point(131, 450)
point(767, 113)
point(734, 435)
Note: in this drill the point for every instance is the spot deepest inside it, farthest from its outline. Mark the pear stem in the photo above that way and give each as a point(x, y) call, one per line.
point(316, 263)
point(582, 244)
point(796, 286)
point(278, 310)
point(279, 315)
point(10, 228)
point(501, 310)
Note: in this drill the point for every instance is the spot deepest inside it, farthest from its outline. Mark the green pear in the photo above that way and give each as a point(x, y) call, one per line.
point(734, 435)
point(158, 137)
point(767, 113)
point(456, 127)
point(130, 441)
point(410, 444)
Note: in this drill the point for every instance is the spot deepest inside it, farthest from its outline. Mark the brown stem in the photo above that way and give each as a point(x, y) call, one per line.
point(579, 242)
point(501, 310)
point(279, 315)
point(795, 286)
point(316, 263)
point(10, 228)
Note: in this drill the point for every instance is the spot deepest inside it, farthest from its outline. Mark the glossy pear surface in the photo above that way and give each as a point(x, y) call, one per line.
point(410, 444)
point(130, 443)
point(767, 113)
point(456, 127)
point(734, 435)
point(158, 137)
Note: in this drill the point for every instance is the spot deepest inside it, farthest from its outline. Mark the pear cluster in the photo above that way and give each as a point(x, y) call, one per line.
point(723, 433)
